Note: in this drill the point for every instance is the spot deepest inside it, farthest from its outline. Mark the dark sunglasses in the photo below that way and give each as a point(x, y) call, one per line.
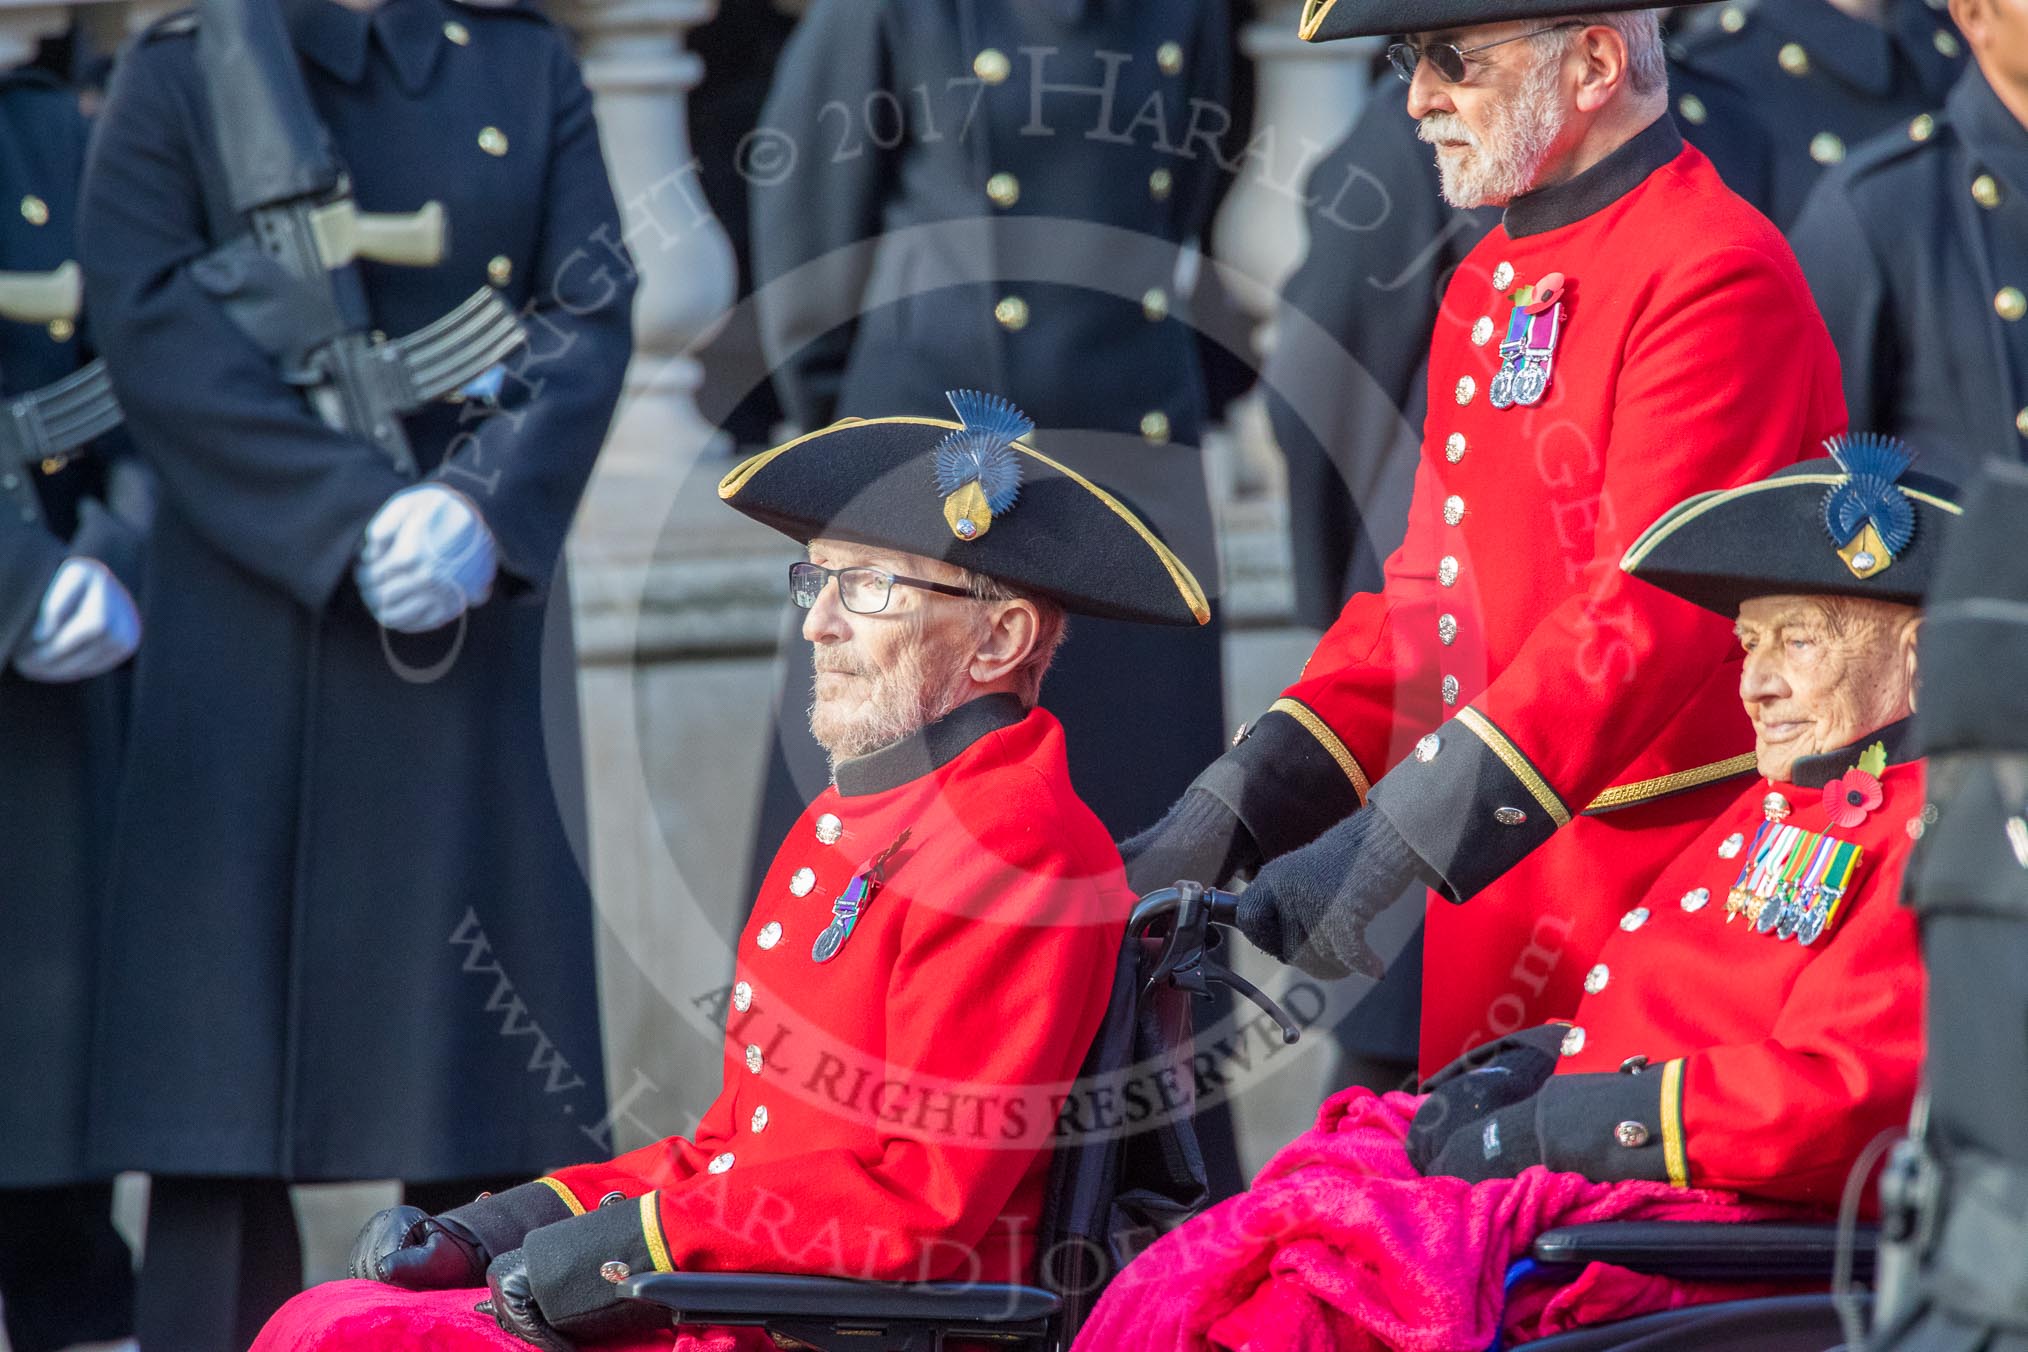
point(865, 591)
point(1447, 59)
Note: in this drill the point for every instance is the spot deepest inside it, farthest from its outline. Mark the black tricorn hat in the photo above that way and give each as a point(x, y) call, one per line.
point(1856, 524)
point(1326, 20)
point(975, 494)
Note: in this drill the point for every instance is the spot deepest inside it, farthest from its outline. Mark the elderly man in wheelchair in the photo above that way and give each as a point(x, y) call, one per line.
point(929, 957)
point(1751, 1028)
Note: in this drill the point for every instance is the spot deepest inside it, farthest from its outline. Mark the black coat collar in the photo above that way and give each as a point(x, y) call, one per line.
point(338, 40)
point(929, 749)
point(1814, 772)
point(1992, 133)
point(1598, 187)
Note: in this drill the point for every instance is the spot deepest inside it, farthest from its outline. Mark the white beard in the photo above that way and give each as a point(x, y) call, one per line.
point(1520, 132)
point(902, 699)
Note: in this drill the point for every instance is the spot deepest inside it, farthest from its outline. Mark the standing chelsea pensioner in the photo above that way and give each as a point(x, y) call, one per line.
point(339, 833)
point(929, 956)
point(1630, 333)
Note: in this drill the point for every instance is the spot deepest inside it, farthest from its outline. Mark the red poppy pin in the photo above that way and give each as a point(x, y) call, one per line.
point(1851, 798)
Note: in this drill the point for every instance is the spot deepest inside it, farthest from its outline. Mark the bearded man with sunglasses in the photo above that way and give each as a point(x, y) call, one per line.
point(1630, 334)
point(930, 954)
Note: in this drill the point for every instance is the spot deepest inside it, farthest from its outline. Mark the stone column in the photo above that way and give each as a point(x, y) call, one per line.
point(1309, 94)
point(652, 964)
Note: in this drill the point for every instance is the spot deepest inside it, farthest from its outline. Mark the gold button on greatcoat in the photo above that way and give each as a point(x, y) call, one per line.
point(1986, 191)
point(2021, 422)
point(1793, 58)
point(992, 66)
point(1826, 148)
point(1733, 19)
point(2010, 304)
point(500, 270)
point(1947, 43)
point(1155, 305)
point(1693, 110)
point(1012, 313)
point(458, 33)
point(1155, 428)
point(34, 210)
point(1922, 128)
point(1160, 184)
point(493, 141)
point(62, 330)
point(1003, 189)
point(1169, 56)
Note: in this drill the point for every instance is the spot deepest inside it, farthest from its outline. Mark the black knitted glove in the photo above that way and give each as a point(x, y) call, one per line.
point(1199, 840)
point(1311, 907)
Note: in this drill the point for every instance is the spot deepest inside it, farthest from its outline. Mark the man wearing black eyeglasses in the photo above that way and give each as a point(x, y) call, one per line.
point(1631, 333)
point(930, 953)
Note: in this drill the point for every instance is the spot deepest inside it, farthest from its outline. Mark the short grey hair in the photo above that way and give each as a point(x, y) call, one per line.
point(1647, 59)
point(1051, 630)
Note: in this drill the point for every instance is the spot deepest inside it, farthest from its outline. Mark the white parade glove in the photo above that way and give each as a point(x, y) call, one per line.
point(86, 627)
point(427, 558)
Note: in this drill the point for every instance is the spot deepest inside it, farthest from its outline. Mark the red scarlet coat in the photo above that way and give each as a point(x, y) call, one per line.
point(1690, 357)
point(1766, 1066)
point(886, 1114)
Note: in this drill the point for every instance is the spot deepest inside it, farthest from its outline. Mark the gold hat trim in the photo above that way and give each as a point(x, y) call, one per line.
point(1692, 508)
point(1186, 582)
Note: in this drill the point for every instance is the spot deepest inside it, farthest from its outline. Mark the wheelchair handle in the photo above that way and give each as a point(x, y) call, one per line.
point(1185, 960)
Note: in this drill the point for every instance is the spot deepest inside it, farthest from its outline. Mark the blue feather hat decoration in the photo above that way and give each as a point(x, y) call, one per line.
point(1870, 519)
point(978, 470)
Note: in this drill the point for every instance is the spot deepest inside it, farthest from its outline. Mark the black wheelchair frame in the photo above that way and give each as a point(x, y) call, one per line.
point(1108, 1199)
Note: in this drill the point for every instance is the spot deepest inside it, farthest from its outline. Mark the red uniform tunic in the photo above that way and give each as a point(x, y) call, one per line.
point(886, 1114)
point(1689, 357)
point(1765, 1066)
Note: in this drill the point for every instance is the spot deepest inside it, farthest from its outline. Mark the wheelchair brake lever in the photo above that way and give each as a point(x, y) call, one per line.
point(1223, 975)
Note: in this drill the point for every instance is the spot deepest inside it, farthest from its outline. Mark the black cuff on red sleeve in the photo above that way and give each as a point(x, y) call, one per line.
point(575, 1266)
point(1466, 810)
point(502, 1220)
point(1283, 784)
point(1608, 1127)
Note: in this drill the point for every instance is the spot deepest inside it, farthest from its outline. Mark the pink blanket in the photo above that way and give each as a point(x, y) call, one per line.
point(1341, 1245)
point(368, 1317)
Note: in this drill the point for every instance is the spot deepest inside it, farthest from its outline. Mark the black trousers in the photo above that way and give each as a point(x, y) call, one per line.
point(224, 1254)
point(66, 1276)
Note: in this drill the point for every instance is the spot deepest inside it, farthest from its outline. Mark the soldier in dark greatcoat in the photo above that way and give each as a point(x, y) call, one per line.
point(66, 621)
point(352, 936)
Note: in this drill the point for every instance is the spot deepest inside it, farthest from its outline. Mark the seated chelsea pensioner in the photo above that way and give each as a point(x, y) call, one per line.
point(930, 954)
point(1751, 1026)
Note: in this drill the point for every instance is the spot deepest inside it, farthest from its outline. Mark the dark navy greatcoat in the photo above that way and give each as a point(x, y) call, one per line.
point(993, 194)
point(1819, 80)
point(57, 742)
point(1917, 251)
point(353, 937)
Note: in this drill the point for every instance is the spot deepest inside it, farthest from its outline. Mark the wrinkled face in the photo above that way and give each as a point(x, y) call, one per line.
point(879, 678)
point(1822, 672)
point(1494, 130)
